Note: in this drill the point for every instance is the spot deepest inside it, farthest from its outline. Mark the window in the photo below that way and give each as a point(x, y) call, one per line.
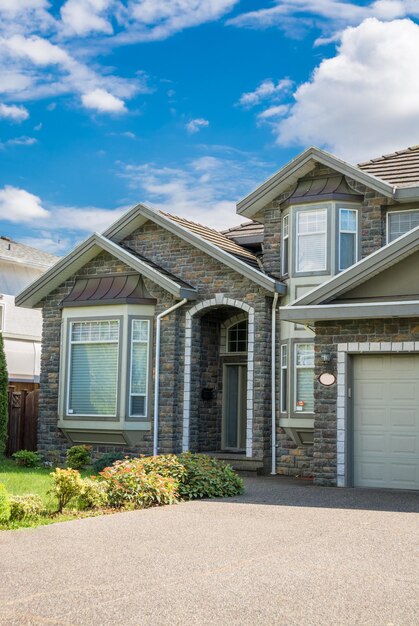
point(401, 222)
point(348, 237)
point(93, 368)
point(304, 377)
point(311, 248)
point(140, 331)
point(285, 244)
point(237, 337)
point(284, 378)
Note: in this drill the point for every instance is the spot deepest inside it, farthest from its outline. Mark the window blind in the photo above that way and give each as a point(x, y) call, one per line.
point(93, 375)
point(304, 377)
point(311, 240)
point(140, 331)
point(400, 223)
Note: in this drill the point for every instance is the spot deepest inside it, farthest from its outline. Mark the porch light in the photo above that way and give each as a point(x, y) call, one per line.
point(326, 357)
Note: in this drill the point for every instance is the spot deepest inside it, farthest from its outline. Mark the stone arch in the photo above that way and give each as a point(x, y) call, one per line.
point(200, 308)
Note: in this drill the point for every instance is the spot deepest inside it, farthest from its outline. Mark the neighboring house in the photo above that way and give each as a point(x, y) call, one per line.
point(289, 343)
point(22, 329)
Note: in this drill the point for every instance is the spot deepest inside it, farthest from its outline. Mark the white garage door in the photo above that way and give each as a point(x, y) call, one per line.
point(386, 421)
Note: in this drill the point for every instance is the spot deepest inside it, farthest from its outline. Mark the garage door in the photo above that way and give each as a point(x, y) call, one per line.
point(386, 421)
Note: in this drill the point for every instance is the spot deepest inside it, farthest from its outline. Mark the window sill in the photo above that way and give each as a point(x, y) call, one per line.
point(104, 433)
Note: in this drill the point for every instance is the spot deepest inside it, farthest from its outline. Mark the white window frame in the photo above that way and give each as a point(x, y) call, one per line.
point(227, 344)
point(388, 222)
point(350, 232)
point(298, 212)
point(69, 412)
point(284, 379)
point(300, 367)
point(285, 258)
point(139, 395)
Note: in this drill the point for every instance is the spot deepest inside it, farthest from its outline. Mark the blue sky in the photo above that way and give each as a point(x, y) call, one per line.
point(188, 104)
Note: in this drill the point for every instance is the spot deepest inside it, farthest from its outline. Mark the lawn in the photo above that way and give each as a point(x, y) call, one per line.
point(36, 480)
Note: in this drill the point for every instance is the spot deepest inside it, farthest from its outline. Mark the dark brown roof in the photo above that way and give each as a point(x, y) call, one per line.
point(399, 168)
point(110, 289)
point(312, 188)
point(217, 238)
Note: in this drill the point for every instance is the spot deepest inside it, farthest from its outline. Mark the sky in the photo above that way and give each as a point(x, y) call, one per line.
point(188, 105)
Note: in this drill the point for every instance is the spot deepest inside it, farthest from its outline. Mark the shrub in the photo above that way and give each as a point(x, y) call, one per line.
point(207, 477)
point(67, 484)
point(4, 400)
point(26, 458)
point(78, 457)
point(106, 460)
point(94, 494)
point(130, 486)
point(4, 505)
point(167, 465)
point(27, 506)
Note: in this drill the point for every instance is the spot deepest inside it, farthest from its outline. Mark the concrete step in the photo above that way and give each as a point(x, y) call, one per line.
point(239, 462)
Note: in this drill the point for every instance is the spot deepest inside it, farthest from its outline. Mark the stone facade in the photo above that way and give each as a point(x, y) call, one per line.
point(359, 335)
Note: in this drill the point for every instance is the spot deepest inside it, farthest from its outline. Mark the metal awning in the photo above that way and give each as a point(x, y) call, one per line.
point(108, 289)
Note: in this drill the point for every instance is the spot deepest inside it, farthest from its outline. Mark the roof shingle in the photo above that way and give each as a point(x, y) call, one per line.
point(16, 252)
point(400, 168)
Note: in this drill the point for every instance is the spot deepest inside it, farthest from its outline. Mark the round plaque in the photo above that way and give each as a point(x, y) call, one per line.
point(327, 379)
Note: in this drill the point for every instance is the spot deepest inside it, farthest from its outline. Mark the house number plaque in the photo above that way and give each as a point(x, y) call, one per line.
point(327, 379)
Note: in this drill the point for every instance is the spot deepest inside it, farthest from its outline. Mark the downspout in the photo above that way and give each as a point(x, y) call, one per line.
point(273, 382)
point(157, 372)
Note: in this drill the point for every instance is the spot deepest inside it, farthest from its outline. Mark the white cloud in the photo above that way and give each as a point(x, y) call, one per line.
point(205, 189)
point(273, 112)
point(20, 206)
point(13, 112)
point(327, 14)
point(266, 90)
point(194, 126)
point(103, 101)
point(365, 100)
point(83, 17)
point(19, 141)
point(151, 20)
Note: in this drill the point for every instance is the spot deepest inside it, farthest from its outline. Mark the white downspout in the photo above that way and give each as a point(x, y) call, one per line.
point(273, 382)
point(157, 372)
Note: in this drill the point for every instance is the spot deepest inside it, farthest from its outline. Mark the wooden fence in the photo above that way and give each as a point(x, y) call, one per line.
point(23, 421)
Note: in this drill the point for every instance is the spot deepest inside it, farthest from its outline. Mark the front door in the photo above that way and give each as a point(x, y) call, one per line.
point(234, 413)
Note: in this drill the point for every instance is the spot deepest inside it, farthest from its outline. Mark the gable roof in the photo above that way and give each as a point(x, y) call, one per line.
point(247, 233)
point(298, 167)
point(14, 252)
point(249, 268)
point(319, 303)
point(219, 239)
point(400, 168)
point(85, 252)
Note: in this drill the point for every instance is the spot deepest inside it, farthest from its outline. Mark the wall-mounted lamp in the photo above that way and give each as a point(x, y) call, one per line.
point(326, 357)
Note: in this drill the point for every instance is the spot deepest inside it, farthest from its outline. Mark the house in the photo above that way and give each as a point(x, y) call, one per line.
point(290, 343)
point(21, 328)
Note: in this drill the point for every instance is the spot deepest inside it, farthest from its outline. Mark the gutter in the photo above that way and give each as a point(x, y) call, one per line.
point(273, 383)
point(157, 372)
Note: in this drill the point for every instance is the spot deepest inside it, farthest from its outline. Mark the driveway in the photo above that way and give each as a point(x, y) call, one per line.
point(284, 553)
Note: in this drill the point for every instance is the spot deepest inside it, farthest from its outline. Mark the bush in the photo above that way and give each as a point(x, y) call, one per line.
point(106, 460)
point(167, 465)
point(51, 458)
point(4, 505)
point(78, 457)
point(207, 477)
point(67, 484)
point(27, 506)
point(130, 486)
point(94, 494)
point(4, 398)
point(26, 458)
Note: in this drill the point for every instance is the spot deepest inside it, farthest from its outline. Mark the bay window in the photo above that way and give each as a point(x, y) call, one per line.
point(311, 240)
point(285, 245)
point(348, 237)
point(284, 378)
point(304, 377)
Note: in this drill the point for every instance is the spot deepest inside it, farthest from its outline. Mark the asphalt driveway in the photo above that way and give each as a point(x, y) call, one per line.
point(284, 553)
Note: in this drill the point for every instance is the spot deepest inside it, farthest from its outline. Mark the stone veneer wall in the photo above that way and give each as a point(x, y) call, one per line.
point(210, 277)
point(328, 336)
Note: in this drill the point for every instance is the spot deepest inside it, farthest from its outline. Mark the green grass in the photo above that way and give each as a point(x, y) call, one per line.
point(37, 480)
